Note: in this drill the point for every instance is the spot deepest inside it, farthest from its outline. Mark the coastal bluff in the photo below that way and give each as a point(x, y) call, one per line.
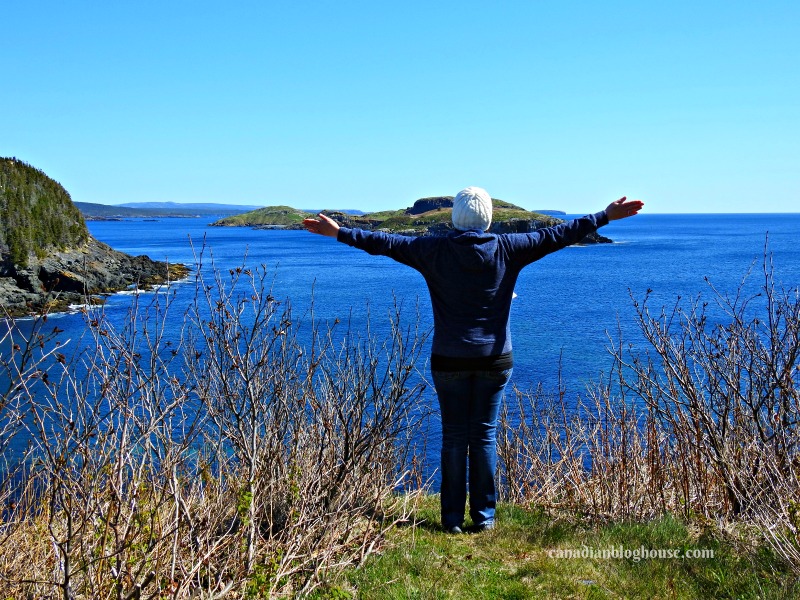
point(427, 216)
point(48, 259)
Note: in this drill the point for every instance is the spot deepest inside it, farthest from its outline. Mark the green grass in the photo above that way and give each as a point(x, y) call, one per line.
point(516, 561)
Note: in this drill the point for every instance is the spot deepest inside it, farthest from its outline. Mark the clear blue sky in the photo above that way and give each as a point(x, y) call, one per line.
point(691, 106)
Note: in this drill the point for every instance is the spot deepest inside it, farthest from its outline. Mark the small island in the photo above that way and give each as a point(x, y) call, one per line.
point(48, 259)
point(427, 216)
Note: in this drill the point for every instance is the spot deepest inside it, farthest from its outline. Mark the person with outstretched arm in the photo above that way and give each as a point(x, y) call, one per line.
point(471, 275)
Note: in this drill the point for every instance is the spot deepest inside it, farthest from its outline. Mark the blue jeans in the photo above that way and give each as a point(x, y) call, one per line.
point(470, 404)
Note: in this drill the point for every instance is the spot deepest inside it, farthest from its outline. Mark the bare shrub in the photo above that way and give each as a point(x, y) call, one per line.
point(591, 456)
point(244, 459)
point(702, 421)
point(22, 355)
point(316, 429)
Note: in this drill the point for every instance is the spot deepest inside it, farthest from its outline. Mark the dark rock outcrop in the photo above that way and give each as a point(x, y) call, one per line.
point(424, 205)
point(78, 276)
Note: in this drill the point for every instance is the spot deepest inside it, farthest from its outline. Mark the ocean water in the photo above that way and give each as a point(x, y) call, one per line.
point(570, 308)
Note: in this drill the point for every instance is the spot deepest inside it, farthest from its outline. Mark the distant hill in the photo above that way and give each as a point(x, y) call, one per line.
point(159, 209)
point(92, 211)
point(216, 208)
point(552, 213)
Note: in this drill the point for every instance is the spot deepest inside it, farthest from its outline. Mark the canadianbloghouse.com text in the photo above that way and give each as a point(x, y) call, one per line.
point(634, 554)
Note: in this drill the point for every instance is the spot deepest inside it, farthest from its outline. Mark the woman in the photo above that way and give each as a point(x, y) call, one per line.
point(471, 276)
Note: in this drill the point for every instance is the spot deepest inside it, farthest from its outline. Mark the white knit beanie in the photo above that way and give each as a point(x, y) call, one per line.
point(472, 209)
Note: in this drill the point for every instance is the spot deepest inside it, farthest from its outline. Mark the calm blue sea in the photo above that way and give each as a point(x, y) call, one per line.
point(571, 306)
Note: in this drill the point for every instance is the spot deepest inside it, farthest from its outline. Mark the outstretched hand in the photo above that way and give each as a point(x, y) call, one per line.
point(322, 225)
point(623, 208)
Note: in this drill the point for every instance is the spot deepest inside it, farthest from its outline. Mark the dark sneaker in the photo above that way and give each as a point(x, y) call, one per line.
point(455, 529)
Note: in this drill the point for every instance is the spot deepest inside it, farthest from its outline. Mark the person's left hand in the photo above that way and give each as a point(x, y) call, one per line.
point(322, 225)
point(623, 208)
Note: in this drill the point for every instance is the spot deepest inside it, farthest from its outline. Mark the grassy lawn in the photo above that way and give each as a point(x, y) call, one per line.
point(519, 560)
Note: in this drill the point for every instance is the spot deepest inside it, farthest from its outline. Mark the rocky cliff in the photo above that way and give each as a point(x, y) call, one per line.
point(47, 257)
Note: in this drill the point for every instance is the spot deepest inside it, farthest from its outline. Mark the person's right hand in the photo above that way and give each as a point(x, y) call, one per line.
point(322, 225)
point(623, 208)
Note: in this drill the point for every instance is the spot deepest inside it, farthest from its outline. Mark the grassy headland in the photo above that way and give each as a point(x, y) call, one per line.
point(275, 216)
point(426, 216)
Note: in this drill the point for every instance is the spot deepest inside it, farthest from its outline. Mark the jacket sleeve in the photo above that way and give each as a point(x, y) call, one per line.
point(528, 247)
point(397, 247)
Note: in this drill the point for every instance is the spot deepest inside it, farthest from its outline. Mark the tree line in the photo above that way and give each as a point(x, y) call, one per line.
point(37, 214)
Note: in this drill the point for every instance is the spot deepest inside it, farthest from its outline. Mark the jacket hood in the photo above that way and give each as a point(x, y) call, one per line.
point(473, 249)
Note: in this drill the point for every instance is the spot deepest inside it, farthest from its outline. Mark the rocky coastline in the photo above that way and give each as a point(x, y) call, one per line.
point(82, 275)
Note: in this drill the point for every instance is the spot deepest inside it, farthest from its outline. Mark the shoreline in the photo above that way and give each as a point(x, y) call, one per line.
point(80, 276)
point(64, 308)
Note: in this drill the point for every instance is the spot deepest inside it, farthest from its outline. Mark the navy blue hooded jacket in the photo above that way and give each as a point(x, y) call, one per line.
point(471, 277)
